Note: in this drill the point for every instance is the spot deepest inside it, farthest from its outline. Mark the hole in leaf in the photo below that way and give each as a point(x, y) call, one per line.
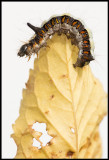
point(44, 138)
point(39, 127)
point(36, 143)
point(72, 129)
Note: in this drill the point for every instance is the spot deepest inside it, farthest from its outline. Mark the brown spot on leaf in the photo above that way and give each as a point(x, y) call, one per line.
point(52, 96)
point(64, 76)
point(70, 153)
point(88, 141)
point(26, 85)
point(53, 135)
point(29, 85)
point(94, 82)
point(30, 128)
point(54, 155)
point(96, 136)
point(49, 143)
point(46, 112)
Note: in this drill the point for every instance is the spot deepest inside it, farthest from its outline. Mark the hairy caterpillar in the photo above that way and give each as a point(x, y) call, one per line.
point(71, 27)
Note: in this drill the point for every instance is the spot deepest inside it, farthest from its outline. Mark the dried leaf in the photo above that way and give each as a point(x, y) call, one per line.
point(70, 101)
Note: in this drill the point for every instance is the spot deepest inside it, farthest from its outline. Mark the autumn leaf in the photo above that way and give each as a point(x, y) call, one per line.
point(71, 102)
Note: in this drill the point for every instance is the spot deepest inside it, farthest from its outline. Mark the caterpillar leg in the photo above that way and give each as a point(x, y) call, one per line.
point(37, 54)
point(74, 42)
point(59, 32)
point(29, 58)
point(45, 45)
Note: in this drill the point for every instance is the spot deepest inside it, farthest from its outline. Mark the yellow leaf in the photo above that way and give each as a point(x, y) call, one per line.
point(70, 101)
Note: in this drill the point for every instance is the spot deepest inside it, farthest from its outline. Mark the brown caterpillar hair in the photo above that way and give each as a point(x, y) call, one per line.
point(71, 27)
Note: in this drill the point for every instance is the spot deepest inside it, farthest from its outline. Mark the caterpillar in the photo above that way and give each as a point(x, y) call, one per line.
point(67, 25)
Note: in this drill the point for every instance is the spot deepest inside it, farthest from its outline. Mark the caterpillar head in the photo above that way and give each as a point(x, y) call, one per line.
point(83, 60)
point(23, 50)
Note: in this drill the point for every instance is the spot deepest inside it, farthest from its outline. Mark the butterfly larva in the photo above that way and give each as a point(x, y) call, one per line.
point(71, 27)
